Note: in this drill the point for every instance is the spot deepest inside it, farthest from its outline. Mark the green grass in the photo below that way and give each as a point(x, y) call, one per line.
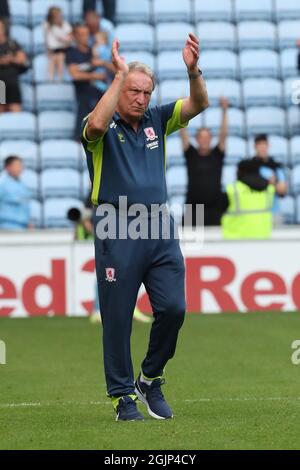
point(231, 386)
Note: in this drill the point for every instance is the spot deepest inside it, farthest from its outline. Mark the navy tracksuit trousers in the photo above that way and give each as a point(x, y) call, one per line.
point(122, 265)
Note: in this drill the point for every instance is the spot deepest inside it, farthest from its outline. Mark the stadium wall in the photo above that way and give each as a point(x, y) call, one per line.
point(50, 274)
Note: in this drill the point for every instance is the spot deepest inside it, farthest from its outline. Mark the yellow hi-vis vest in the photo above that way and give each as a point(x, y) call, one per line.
point(249, 214)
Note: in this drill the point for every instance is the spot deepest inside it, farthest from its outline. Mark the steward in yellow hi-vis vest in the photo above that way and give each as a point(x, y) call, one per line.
point(250, 203)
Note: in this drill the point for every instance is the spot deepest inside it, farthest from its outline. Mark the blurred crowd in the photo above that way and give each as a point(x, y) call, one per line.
point(245, 209)
point(85, 49)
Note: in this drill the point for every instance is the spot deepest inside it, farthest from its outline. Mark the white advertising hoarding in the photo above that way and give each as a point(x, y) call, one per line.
point(59, 279)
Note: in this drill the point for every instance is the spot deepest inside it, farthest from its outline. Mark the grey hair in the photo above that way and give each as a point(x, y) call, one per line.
point(141, 67)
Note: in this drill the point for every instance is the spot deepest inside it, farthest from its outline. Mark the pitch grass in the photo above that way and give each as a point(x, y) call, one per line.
point(231, 386)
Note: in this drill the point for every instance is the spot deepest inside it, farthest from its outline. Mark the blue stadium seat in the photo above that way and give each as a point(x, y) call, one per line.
point(295, 179)
point(56, 210)
point(291, 87)
point(293, 120)
point(38, 37)
point(52, 96)
point(287, 209)
point(40, 69)
point(236, 150)
point(254, 10)
point(259, 63)
point(170, 66)
point(135, 37)
point(172, 90)
point(60, 154)
point(31, 180)
point(177, 10)
point(278, 148)
point(262, 92)
point(229, 174)
point(266, 120)
point(36, 217)
point(287, 10)
point(256, 34)
point(176, 180)
point(56, 125)
point(214, 10)
point(18, 126)
point(288, 32)
point(172, 35)
point(236, 121)
point(289, 65)
point(231, 89)
point(217, 35)
point(60, 183)
point(39, 9)
point(28, 97)
point(22, 34)
point(26, 149)
point(174, 151)
point(19, 12)
point(142, 56)
point(295, 150)
point(133, 11)
point(220, 64)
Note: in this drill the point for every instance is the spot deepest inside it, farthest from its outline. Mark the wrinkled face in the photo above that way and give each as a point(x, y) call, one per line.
point(92, 21)
point(262, 149)
point(81, 35)
point(15, 168)
point(135, 96)
point(204, 138)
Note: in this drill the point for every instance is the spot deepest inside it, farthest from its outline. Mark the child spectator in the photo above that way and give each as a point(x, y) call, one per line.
point(102, 59)
point(58, 37)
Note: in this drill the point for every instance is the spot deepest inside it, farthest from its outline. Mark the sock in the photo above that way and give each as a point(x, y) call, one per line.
point(145, 381)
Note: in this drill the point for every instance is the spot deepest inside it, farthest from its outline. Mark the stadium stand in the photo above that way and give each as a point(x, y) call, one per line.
point(248, 54)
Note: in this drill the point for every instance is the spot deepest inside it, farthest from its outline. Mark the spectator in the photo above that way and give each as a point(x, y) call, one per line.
point(4, 12)
point(58, 38)
point(97, 24)
point(109, 8)
point(271, 171)
point(250, 202)
point(204, 165)
point(14, 196)
point(102, 59)
point(82, 71)
point(13, 61)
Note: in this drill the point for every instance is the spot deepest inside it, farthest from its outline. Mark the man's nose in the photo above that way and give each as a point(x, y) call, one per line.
point(141, 98)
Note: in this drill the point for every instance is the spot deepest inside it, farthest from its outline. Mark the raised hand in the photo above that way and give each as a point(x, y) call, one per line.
point(191, 52)
point(118, 61)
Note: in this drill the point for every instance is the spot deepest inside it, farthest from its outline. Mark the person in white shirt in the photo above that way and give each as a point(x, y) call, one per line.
point(58, 37)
